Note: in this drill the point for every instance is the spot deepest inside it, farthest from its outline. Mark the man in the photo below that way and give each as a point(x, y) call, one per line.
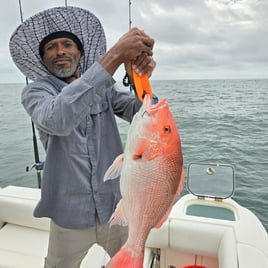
point(72, 101)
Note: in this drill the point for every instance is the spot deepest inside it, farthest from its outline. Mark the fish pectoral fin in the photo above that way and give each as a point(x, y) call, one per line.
point(114, 170)
point(118, 216)
point(140, 149)
point(145, 150)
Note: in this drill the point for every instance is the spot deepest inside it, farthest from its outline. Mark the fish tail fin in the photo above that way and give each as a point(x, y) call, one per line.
point(124, 258)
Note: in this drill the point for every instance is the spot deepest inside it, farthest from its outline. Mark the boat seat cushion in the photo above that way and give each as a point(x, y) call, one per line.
point(23, 238)
point(205, 239)
point(17, 205)
point(202, 238)
point(21, 246)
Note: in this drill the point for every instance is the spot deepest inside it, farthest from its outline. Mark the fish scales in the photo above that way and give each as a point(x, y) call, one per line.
point(152, 176)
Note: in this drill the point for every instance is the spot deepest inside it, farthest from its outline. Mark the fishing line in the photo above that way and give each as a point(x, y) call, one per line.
point(38, 164)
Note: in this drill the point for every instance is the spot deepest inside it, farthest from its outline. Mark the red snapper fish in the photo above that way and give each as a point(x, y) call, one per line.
point(152, 177)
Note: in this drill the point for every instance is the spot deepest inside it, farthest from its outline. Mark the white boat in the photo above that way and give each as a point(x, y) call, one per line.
point(203, 230)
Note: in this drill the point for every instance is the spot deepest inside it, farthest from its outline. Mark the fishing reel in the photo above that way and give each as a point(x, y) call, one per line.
point(38, 166)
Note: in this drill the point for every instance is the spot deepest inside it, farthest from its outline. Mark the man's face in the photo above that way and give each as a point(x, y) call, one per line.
point(62, 57)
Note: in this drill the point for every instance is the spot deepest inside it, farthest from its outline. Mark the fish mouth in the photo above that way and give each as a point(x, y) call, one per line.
point(150, 108)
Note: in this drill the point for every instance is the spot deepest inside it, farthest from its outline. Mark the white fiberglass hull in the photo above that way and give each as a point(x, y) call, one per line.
point(209, 233)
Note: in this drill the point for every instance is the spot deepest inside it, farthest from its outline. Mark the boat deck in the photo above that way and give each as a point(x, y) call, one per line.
point(209, 233)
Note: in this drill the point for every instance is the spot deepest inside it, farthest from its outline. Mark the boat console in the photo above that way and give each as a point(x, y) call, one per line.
point(207, 229)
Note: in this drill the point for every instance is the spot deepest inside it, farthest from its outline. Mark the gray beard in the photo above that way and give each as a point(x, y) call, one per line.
point(65, 72)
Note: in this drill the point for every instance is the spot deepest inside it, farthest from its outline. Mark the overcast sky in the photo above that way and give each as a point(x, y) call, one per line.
point(194, 39)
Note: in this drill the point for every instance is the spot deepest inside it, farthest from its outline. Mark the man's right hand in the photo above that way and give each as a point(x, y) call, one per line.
point(131, 47)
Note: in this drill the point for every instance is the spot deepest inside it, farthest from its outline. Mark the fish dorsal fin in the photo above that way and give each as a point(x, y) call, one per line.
point(114, 170)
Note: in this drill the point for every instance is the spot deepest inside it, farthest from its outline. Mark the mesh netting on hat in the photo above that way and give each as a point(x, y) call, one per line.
point(24, 42)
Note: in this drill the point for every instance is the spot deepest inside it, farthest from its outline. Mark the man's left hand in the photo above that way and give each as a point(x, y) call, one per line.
point(142, 65)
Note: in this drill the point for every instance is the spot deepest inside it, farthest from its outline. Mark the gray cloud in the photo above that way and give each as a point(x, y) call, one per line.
point(193, 38)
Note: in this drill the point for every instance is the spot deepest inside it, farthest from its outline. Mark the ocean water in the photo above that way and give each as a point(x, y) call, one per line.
point(223, 121)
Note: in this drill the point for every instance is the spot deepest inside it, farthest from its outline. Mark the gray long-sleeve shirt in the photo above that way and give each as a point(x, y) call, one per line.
point(77, 127)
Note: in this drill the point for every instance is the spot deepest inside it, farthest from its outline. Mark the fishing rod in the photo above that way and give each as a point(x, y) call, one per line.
point(140, 83)
point(129, 15)
point(38, 164)
point(126, 81)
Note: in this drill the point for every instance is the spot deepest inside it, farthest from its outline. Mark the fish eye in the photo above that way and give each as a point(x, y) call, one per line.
point(167, 129)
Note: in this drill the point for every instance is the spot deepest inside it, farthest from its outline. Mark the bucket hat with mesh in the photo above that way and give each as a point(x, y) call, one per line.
point(24, 42)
